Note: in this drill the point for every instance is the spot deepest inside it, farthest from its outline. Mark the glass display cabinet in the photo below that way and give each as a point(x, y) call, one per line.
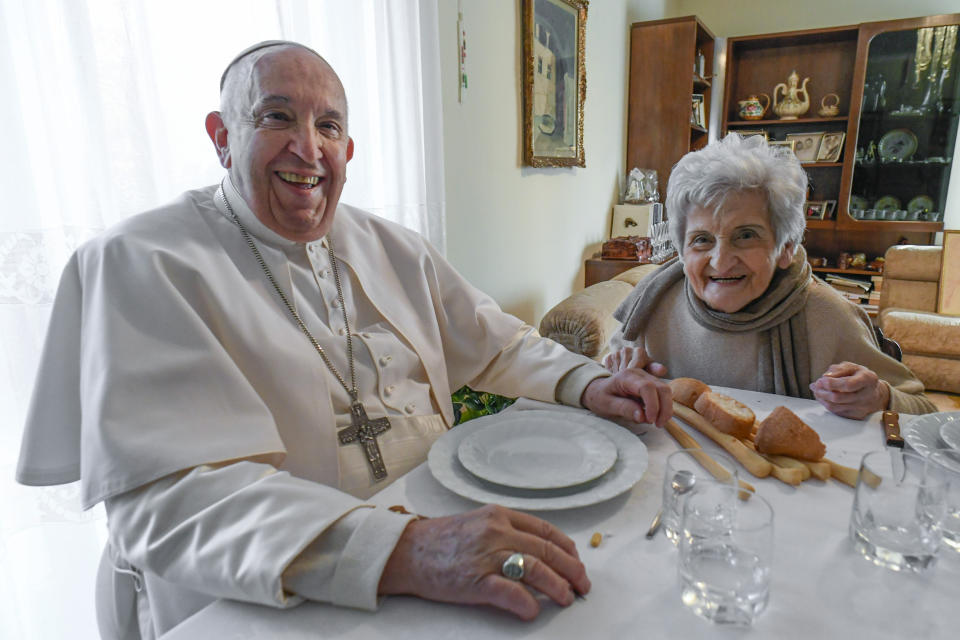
point(907, 128)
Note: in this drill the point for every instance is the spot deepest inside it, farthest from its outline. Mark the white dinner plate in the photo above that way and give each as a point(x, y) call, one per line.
point(537, 452)
point(923, 432)
point(950, 433)
point(627, 470)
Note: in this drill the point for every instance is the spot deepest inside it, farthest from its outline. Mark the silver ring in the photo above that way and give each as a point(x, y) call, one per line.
point(513, 567)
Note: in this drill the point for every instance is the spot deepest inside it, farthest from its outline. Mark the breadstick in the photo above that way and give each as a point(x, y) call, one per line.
point(820, 470)
point(785, 469)
point(751, 460)
point(846, 475)
point(686, 441)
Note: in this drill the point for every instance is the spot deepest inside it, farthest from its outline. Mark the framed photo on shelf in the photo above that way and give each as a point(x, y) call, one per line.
point(830, 209)
point(807, 145)
point(787, 144)
point(948, 301)
point(554, 82)
point(816, 209)
point(696, 112)
point(753, 132)
point(831, 146)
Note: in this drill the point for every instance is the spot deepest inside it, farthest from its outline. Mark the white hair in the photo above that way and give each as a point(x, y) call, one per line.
point(734, 164)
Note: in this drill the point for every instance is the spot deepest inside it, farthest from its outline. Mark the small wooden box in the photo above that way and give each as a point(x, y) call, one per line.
point(627, 248)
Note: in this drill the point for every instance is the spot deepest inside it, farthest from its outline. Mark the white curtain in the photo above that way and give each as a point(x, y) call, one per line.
point(102, 104)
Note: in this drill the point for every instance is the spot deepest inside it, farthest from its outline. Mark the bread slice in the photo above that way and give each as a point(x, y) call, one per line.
point(784, 433)
point(687, 390)
point(726, 414)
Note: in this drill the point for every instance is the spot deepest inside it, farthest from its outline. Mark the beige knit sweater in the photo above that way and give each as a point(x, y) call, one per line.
point(837, 331)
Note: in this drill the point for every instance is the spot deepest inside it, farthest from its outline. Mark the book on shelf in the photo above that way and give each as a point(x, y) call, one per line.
point(877, 282)
point(846, 289)
point(834, 279)
point(874, 297)
point(855, 298)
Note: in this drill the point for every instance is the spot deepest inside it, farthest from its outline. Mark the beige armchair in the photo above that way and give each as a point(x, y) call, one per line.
point(584, 322)
point(908, 302)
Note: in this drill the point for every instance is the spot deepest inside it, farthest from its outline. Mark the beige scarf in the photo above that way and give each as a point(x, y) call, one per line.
point(784, 359)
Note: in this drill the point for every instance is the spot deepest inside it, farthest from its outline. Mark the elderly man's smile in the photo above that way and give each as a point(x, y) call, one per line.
point(298, 181)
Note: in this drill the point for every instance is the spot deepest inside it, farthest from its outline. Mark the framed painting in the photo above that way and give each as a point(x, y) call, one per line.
point(949, 297)
point(554, 82)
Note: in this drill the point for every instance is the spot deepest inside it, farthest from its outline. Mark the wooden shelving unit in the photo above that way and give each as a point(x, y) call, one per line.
point(756, 64)
point(663, 55)
point(836, 61)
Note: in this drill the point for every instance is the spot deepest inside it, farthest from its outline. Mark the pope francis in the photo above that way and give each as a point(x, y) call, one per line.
point(234, 373)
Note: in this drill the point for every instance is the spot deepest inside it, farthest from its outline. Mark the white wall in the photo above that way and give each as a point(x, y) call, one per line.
point(518, 233)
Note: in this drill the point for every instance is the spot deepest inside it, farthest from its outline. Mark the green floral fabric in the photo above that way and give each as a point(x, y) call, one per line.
point(469, 404)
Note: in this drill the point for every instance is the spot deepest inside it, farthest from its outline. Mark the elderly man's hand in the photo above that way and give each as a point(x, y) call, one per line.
point(634, 394)
point(458, 559)
point(851, 390)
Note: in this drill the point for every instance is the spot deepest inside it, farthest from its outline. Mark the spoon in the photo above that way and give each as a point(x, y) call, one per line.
point(681, 483)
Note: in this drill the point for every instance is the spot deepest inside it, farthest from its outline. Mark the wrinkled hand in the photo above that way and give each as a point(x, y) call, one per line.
point(458, 559)
point(631, 393)
point(851, 390)
point(633, 358)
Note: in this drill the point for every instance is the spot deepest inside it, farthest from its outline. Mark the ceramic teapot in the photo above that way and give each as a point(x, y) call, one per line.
point(752, 108)
point(795, 101)
point(829, 106)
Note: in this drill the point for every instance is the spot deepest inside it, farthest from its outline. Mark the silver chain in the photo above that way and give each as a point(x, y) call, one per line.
point(352, 389)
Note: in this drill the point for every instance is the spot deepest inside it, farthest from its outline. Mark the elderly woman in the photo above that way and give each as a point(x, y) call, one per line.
point(740, 307)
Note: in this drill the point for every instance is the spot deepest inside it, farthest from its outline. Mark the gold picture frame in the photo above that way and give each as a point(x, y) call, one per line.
point(815, 209)
point(807, 145)
point(948, 298)
point(831, 146)
point(789, 144)
point(745, 133)
point(554, 82)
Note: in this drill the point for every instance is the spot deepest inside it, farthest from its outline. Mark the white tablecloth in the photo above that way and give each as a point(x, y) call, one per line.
point(820, 587)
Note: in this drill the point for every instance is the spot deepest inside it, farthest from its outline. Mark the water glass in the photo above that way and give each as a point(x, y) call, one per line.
point(685, 461)
point(948, 464)
point(898, 507)
point(726, 552)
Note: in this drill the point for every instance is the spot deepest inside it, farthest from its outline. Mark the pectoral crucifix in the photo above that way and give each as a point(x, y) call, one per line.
point(364, 431)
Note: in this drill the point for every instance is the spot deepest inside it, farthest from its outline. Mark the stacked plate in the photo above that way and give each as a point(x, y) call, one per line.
point(538, 460)
point(934, 431)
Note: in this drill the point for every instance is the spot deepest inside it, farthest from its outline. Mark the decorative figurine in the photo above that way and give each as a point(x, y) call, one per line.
point(829, 109)
point(795, 102)
point(752, 108)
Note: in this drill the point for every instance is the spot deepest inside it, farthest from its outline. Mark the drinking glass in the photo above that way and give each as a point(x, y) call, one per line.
point(948, 464)
point(726, 552)
point(685, 461)
point(898, 507)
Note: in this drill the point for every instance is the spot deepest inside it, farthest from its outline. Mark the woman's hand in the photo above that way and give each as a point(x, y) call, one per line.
point(633, 358)
point(630, 393)
point(458, 559)
point(851, 390)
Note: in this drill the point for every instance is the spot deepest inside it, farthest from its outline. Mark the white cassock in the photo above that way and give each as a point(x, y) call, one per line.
point(176, 387)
